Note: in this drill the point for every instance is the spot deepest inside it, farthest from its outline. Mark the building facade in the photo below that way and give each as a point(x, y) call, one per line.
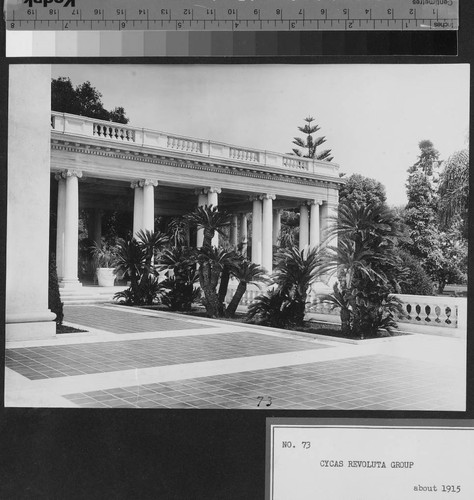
point(100, 165)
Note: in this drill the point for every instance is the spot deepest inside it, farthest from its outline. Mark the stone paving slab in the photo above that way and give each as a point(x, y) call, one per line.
point(80, 359)
point(374, 382)
point(121, 321)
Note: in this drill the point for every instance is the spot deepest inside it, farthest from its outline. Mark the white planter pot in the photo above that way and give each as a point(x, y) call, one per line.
point(105, 276)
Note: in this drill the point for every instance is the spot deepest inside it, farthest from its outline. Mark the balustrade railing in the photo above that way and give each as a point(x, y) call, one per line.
point(435, 311)
point(181, 144)
point(118, 133)
point(113, 132)
point(295, 163)
point(243, 154)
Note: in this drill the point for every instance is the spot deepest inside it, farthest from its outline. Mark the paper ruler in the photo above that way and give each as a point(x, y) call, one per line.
point(232, 15)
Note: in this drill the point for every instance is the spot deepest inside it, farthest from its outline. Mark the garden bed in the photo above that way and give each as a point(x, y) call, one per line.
point(309, 327)
point(60, 329)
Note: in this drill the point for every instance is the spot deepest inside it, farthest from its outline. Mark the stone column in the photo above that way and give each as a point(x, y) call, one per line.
point(256, 230)
point(212, 196)
point(212, 199)
point(71, 230)
point(148, 218)
point(314, 229)
point(233, 231)
point(137, 206)
point(276, 226)
point(267, 230)
point(304, 227)
point(60, 223)
point(202, 201)
point(243, 233)
point(27, 216)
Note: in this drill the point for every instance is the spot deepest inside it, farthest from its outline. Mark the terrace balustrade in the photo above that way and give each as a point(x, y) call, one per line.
point(444, 314)
point(124, 134)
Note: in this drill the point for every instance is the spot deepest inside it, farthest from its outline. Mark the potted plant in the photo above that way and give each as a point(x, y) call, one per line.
point(105, 257)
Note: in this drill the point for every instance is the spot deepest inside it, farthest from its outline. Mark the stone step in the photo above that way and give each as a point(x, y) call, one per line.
point(89, 294)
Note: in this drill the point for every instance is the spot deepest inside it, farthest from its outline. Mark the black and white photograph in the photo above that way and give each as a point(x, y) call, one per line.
point(237, 237)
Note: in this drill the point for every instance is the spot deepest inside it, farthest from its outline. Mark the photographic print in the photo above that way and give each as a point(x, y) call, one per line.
point(260, 237)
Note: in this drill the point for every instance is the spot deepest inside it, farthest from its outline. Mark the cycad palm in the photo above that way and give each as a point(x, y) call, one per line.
point(367, 268)
point(210, 219)
point(246, 273)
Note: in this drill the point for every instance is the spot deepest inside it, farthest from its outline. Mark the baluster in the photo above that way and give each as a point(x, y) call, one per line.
point(418, 310)
point(448, 315)
point(408, 308)
point(438, 313)
point(428, 311)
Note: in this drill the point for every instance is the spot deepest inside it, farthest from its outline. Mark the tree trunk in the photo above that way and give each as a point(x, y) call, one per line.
point(225, 276)
point(239, 293)
point(208, 278)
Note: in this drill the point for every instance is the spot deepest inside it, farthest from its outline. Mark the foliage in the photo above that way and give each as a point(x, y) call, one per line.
point(245, 272)
point(368, 269)
point(454, 189)
point(180, 292)
point(438, 242)
point(446, 261)
point(54, 299)
point(210, 219)
point(177, 230)
point(211, 260)
point(309, 144)
point(135, 259)
point(416, 281)
point(363, 191)
point(83, 100)
point(104, 255)
point(294, 273)
point(275, 308)
point(427, 158)
point(289, 233)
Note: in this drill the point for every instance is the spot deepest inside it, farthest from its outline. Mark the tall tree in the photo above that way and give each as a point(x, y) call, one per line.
point(441, 250)
point(427, 159)
point(363, 191)
point(83, 100)
point(309, 144)
point(454, 188)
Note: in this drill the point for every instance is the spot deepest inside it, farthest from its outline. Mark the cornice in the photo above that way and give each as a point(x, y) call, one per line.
point(204, 164)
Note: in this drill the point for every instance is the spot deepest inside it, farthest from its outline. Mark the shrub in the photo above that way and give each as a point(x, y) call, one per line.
point(417, 281)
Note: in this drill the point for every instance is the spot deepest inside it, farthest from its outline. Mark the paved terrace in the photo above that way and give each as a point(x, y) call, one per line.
point(133, 358)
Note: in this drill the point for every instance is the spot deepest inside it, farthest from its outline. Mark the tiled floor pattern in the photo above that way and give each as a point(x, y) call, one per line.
point(370, 382)
point(120, 321)
point(101, 357)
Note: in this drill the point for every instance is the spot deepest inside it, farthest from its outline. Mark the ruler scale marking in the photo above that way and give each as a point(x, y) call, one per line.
point(117, 14)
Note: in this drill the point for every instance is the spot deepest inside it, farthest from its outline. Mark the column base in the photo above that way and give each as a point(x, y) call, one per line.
point(30, 326)
point(69, 283)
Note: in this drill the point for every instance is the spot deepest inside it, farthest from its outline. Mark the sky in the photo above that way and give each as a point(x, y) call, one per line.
point(373, 116)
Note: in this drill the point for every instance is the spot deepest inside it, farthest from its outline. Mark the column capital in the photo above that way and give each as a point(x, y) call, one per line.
point(267, 196)
point(64, 174)
point(143, 182)
point(148, 182)
point(212, 189)
point(254, 197)
point(314, 202)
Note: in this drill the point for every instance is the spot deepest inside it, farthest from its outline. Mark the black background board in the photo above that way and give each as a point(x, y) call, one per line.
point(163, 454)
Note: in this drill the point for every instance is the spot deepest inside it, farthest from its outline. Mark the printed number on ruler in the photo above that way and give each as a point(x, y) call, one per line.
point(232, 15)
